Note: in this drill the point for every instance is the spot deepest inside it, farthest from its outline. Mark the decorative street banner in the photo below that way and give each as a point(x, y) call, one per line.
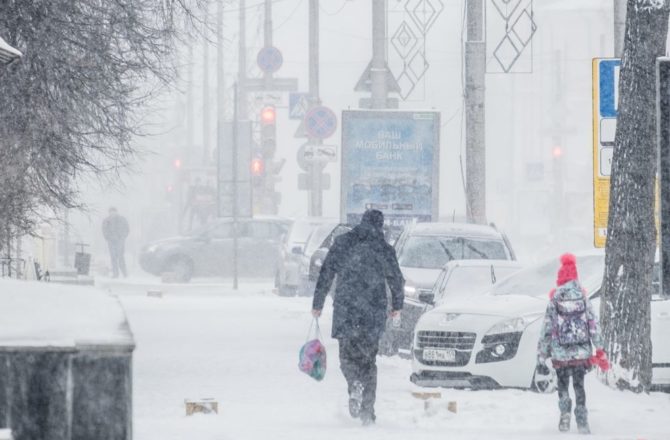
point(390, 162)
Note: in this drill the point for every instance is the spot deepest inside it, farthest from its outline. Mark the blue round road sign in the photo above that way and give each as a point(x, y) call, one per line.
point(269, 59)
point(320, 122)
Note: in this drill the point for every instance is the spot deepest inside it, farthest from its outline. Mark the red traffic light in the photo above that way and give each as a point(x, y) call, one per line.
point(257, 167)
point(169, 188)
point(557, 152)
point(268, 115)
point(177, 163)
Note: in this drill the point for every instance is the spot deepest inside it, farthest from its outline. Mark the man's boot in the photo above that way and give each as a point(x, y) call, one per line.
point(581, 416)
point(355, 399)
point(565, 405)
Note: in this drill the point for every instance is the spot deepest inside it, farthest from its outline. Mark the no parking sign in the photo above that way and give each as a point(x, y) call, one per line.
point(320, 122)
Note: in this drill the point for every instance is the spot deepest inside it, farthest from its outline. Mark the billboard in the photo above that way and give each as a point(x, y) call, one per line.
point(390, 162)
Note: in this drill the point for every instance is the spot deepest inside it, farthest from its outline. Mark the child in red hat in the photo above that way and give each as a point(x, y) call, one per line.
point(569, 334)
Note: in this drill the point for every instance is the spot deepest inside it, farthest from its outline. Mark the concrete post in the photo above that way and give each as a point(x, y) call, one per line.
point(475, 139)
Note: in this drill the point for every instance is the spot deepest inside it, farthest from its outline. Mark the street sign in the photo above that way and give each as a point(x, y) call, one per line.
point(298, 104)
point(605, 111)
point(275, 84)
point(320, 122)
point(305, 158)
point(320, 153)
point(269, 59)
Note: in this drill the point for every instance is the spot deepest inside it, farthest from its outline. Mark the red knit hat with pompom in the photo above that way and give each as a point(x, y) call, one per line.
point(568, 270)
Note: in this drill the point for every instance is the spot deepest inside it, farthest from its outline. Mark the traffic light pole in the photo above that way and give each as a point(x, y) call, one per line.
point(316, 193)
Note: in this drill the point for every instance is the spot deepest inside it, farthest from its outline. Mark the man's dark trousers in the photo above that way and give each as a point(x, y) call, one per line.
point(116, 255)
point(358, 357)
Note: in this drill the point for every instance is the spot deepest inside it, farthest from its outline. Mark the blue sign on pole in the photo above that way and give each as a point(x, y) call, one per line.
point(609, 77)
point(298, 104)
point(390, 162)
point(269, 59)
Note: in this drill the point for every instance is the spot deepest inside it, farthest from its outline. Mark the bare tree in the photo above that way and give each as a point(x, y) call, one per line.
point(631, 230)
point(72, 104)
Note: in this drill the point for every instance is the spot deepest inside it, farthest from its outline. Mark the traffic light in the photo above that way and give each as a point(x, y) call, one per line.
point(557, 152)
point(257, 167)
point(176, 163)
point(268, 131)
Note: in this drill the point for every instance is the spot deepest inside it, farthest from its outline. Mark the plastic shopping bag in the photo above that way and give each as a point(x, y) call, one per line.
point(312, 358)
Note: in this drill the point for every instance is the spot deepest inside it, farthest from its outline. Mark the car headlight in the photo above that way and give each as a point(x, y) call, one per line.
point(410, 291)
point(514, 325)
point(152, 248)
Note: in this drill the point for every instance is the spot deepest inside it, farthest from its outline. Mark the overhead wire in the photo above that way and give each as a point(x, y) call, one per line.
point(344, 5)
point(289, 17)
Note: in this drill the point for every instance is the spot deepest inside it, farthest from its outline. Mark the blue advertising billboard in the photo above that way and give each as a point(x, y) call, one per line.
point(390, 162)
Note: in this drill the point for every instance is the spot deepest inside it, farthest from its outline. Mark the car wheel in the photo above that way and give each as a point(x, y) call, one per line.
point(545, 383)
point(181, 268)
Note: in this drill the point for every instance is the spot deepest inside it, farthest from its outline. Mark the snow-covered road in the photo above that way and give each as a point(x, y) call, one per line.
point(241, 348)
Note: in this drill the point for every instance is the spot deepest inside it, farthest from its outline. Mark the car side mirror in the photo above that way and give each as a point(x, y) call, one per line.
point(315, 263)
point(427, 298)
point(296, 250)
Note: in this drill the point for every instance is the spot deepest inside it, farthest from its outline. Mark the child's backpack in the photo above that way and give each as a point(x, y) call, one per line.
point(572, 325)
point(312, 357)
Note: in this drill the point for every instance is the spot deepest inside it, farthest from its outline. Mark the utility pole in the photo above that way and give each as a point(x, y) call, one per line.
point(236, 138)
point(378, 68)
point(316, 193)
point(220, 87)
point(475, 139)
point(189, 99)
point(205, 89)
point(619, 26)
point(242, 63)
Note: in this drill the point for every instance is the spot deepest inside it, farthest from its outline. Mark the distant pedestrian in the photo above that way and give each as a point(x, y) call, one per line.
point(115, 230)
point(569, 335)
point(364, 264)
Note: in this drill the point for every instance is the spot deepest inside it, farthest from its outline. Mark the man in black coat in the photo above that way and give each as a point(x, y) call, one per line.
point(115, 230)
point(364, 264)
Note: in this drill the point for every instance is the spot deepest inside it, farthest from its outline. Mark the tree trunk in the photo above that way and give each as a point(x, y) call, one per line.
point(631, 230)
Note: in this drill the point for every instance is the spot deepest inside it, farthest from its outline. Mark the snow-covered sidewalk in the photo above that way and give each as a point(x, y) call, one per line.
point(242, 348)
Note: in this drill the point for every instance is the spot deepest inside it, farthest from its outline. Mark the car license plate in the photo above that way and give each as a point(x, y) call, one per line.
point(439, 354)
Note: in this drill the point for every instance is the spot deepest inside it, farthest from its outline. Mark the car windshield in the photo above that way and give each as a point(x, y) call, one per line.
point(300, 231)
point(317, 237)
point(433, 252)
point(538, 280)
point(465, 281)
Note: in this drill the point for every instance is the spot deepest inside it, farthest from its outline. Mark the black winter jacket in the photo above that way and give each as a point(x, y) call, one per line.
point(364, 263)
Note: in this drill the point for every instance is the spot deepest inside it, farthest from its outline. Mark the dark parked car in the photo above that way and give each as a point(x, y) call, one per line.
point(209, 250)
point(317, 256)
